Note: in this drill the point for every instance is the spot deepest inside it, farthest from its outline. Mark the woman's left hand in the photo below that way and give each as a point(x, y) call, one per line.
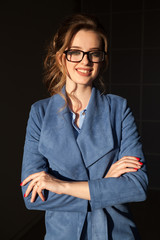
point(40, 181)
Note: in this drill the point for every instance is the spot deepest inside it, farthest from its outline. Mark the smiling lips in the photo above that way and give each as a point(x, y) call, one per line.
point(84, 72)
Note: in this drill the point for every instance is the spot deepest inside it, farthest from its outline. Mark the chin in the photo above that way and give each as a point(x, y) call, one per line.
point(84, 82)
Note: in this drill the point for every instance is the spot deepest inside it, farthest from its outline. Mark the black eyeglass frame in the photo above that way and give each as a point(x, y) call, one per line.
point(84, 53)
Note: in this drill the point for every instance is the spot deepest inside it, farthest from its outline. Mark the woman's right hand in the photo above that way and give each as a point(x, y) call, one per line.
point(124, 165)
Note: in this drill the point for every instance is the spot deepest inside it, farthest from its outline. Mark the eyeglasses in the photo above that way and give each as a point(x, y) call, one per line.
point(76, 56)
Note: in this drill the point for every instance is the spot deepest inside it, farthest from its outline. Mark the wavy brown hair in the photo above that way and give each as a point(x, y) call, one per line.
point(54, 63)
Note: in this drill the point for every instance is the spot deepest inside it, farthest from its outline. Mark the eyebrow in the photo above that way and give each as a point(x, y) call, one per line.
point(96, 48)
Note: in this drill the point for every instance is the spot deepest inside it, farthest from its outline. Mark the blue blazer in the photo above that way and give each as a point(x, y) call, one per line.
point(107, 134)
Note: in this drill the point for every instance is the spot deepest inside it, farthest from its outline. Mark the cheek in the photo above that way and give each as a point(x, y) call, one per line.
point(97, 69)
point(69, 66)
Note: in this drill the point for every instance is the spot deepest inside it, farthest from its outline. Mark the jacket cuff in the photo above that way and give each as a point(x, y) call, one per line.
point(95, 194)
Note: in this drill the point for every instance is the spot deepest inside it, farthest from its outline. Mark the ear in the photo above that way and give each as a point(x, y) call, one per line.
point(60, 58)
point(61, 61)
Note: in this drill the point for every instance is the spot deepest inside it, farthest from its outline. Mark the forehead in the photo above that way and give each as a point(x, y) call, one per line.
point(86, 39)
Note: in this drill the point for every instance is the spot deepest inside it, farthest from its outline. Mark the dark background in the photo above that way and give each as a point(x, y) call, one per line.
point(133, 29)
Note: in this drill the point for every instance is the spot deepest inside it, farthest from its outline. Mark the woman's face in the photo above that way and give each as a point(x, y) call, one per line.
point(84, 72)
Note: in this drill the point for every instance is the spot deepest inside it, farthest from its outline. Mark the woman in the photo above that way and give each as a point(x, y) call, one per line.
point(83, 160)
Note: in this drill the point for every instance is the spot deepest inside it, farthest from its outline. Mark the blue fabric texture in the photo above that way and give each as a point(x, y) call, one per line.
point(108, 133)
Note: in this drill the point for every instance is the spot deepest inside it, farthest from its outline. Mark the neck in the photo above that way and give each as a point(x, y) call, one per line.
point(78, 96)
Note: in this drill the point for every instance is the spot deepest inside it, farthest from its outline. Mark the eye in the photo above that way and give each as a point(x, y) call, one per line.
point(96, 54)
point(74, 52)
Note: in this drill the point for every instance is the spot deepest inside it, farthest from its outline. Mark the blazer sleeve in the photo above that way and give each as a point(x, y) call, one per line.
point(34, 161)
point(130, 187)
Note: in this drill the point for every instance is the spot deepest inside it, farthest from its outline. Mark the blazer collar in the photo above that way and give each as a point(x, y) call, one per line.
point(95, 139)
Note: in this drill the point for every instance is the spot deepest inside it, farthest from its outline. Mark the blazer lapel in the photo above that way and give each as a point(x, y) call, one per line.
point(58, 143)
point(96, 137)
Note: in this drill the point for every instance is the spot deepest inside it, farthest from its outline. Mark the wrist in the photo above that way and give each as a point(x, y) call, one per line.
point(77, 189)
point(64, 187)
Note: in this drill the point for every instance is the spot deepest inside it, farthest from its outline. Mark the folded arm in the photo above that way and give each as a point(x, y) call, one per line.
point(130, 186)
point(44, 181)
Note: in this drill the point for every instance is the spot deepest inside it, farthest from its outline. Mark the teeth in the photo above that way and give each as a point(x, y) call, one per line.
point(83, 71)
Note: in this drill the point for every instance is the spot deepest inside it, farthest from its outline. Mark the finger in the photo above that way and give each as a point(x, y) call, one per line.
point(31, 186)
point(128, 160)
point(29, 178)
point(29, 189)
point(39, 191)
point(127, 170)
point(129, 165)
point(119, 172)
point(130, 157)
point(34, 193)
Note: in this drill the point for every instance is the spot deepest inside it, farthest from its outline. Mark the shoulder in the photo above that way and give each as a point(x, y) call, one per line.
point(115, 99)
point(118, 106)
point(38, 109)
point(116, 102)
point(43, 103)
point(41, 108)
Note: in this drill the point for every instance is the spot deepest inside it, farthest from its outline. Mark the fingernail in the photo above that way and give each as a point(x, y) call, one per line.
point(21, 183)
point(141, 163)
point(24, 195)
point(137, 158)
point(136, 169)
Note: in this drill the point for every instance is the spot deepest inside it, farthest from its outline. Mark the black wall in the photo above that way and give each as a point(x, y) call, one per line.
point(134, 72)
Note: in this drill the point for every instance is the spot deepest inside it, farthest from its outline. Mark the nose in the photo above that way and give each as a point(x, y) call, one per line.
point(85, 59)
